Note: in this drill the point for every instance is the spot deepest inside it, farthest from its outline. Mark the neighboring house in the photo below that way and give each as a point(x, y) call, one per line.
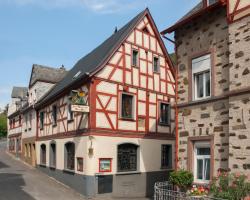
point(42, 79)
point(122, 139)
point(14, 122)
point(213, 57)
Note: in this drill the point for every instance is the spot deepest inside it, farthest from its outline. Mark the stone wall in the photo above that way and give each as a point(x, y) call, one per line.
point(239, 40)
point(239, 152)
point(208, 33)
point(239, 111)
point(204, 120)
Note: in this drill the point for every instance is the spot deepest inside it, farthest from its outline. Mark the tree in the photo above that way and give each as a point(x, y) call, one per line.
point(3, 124)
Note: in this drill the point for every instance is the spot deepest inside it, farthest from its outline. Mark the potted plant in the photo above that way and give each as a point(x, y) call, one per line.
point(197, 192)
point(182, 179)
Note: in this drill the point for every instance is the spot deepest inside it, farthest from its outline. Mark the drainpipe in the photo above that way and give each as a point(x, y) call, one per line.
point(176, 107)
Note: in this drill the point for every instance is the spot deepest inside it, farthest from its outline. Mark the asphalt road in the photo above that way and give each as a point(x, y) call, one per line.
point(19, 181)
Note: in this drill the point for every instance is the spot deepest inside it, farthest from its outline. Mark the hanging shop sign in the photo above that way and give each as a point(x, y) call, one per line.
point(79, 101)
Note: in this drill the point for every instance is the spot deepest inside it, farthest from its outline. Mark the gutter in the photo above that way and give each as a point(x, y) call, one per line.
point(195, 15)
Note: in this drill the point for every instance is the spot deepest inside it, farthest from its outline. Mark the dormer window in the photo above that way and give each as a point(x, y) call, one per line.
point(210, 2)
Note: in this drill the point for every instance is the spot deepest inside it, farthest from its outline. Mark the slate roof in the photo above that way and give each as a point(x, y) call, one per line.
point(194, 12)
point(19, 92)
point(47, 74)
point(89, 63)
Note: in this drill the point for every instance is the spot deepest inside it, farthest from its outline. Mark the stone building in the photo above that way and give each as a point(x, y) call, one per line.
point(42, 79)
point(108, 128)
point(213, 59)
point(14, 121)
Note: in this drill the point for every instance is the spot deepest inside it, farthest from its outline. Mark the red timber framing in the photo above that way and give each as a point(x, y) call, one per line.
point(63, 125)
point(235, 12)
point(138, 81)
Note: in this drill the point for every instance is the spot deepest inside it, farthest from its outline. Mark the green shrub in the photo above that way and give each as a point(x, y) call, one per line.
point(230, 186)
point(182, 178)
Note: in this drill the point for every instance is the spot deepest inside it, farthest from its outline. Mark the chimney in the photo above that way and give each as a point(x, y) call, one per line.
point(62, 67)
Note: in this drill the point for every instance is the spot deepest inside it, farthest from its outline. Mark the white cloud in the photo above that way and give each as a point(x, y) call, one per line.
point(97, 6)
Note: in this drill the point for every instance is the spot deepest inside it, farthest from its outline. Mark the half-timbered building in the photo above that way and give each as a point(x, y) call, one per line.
point(109, 126)
point(212, 49)
point(14, 121)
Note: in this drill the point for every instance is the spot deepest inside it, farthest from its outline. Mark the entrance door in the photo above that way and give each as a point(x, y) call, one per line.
point(17, 147)
point(34, 155)
point(105, 184)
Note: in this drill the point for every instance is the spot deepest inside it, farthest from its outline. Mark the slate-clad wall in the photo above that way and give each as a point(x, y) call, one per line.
point(208, 33)
point(239, 112)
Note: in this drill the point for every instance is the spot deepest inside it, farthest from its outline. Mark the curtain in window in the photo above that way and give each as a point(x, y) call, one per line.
point(164, 118)
point(127, 102)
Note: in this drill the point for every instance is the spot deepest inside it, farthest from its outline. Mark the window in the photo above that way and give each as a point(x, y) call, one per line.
point(135, 58)
point(127, 106)
point(70, 113)
point(164, 113)
point(127, 157)
point(201, 70)
point(54, 115)
point(20, 120)
point(41, 120)
point(80, 164)
point(43, 154)
point(53, 154)
point(26, 122)
point(30, 151)
point(70, 156)
point(25, 150)
point(145, 30)
point(166, 156)
point(105, 165)
point(156, 65)
point(30, 121)
point(202, 157)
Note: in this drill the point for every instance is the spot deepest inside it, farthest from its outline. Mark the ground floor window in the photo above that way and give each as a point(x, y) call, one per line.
point(43, 154)
point(52, 154)
point(25, 150)
point(202, 156)
point(70, 156)
point(127, 157)
point(80, 164)
point(166, 156)
point(30, 150)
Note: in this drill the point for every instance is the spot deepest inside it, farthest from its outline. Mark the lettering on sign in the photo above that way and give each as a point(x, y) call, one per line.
point(80, 108)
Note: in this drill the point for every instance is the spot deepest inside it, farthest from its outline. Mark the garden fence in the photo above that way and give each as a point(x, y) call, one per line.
point(166, 191)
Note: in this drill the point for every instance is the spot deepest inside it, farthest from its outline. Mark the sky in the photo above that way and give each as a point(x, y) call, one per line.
point(56, 32)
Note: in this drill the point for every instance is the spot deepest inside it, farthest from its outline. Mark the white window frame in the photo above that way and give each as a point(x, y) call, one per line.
point(202, 69)
point(195, 156)
point(133, 106)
